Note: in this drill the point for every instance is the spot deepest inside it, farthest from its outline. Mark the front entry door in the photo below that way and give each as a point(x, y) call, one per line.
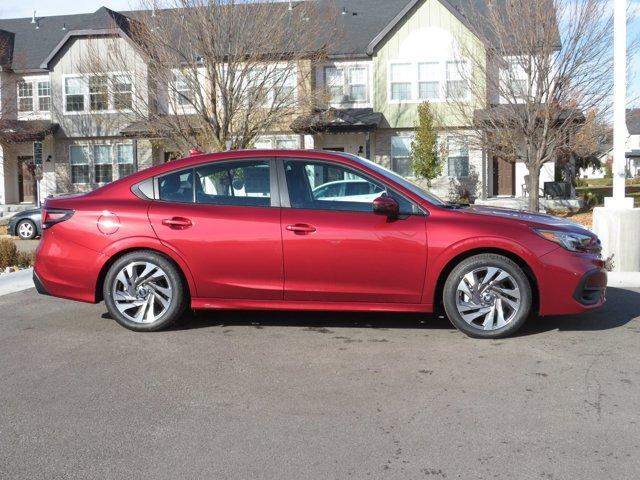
point(504, 174)
point(26, 181)
point(223, 221)
point(337, 250)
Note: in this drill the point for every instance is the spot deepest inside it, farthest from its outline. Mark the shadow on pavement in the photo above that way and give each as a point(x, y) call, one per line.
point(622, 306)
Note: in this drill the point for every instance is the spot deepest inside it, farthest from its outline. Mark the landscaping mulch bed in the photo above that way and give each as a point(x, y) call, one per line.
point(583, 218)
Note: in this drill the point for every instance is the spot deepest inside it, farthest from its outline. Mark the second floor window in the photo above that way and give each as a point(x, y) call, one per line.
point(429, 81)
point(74, 94)
point(98, 94)
point(25, 97)
point(347, 84)
point(401, 80)
point(44, 96)
point(184, 91)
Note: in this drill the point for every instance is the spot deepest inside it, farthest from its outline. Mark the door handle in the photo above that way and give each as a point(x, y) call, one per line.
point(301, 228)
point(177, 223)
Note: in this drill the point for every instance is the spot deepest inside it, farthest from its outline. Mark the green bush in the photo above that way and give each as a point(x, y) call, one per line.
point(8, 253)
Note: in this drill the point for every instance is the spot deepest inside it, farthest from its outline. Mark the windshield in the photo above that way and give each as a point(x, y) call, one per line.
point(412, 187)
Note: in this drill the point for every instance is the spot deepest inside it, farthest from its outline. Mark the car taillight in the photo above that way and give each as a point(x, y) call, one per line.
point(54, 215)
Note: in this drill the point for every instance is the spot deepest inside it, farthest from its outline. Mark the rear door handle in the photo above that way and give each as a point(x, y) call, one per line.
point(301, 228)
point(177, 223)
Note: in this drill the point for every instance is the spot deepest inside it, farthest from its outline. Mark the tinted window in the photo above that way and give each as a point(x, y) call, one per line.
point(176, 187)
point(315, 185)
point(234, 183)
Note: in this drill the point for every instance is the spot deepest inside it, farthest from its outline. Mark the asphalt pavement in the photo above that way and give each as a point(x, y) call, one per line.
point(268, 395)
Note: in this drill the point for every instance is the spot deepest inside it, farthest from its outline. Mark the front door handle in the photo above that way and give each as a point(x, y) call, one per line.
point(177, 223)
point(301, 228)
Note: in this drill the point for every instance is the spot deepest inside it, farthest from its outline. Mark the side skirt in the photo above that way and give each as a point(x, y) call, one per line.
point(242, 304)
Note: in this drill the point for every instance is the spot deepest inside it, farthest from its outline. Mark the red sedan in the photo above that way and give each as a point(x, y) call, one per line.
point(253, 230)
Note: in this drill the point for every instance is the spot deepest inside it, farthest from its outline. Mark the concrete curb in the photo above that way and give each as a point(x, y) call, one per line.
point(623, 279)
point(16, 281)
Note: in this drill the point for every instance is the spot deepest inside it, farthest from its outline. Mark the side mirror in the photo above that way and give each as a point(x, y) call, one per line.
point(386, 205)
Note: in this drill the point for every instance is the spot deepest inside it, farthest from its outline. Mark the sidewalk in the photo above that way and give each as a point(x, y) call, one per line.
point(16, 281)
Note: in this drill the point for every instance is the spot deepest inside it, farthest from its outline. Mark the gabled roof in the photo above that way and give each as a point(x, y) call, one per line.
point(33, 43)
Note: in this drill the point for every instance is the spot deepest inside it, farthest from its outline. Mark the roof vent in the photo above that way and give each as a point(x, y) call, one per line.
point(33, 19)
point(344, 10)
point(64, 27)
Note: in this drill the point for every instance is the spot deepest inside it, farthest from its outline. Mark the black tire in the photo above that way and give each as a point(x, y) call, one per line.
point(471, 264)
point(173, 279)
point(33, 230)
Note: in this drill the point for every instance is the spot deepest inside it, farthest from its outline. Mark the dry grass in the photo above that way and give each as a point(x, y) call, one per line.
point(582, 217)
point(4, 230)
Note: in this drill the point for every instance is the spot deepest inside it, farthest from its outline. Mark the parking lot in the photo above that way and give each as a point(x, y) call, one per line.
point(316, 396)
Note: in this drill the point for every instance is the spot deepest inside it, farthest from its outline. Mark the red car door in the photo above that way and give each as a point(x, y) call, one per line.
point(341, 251)
point(223, 220)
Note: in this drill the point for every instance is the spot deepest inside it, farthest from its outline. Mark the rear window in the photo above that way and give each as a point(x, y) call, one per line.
point(176, 187)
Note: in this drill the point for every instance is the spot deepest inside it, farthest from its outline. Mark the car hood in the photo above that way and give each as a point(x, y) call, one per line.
point(528, 218)
point(26, 213)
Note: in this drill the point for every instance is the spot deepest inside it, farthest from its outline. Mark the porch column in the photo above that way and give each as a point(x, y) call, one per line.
point(367, 145)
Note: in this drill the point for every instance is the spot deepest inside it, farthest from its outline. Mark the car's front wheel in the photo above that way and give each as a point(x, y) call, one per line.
point(26, 229)
point(487, 296)
point(144, 291)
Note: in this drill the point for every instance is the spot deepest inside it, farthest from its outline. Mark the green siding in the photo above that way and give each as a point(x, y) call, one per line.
point(429, 13)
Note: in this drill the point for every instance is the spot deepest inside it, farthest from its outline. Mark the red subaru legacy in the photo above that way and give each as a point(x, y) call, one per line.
point(308, 230)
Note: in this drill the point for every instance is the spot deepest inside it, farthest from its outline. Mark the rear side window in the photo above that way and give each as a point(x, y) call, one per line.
point(176, 187)
point(244, 183)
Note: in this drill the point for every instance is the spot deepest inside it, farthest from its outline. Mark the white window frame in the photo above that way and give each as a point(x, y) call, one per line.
point(87, 148)
point(465, 140)
point(415, 81)
point(345, 73)
point(34, 82)
point(117, 162)
point(39, 97)
point(393, 157)
point(85, 79)
point(94, 164)
point(27, 84)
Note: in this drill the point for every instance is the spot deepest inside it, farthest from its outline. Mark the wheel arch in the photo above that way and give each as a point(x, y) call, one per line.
point(158, 249)
point(451, 264)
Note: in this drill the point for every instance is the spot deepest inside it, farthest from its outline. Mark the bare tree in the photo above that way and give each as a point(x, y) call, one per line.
point(543, 66)
point(218, 73)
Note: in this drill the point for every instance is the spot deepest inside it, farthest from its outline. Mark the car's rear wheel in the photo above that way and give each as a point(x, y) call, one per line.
point(26, 229)
point(487, 296)
point(144, 291)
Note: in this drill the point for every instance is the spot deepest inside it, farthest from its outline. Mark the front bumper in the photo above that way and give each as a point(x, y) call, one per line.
point(571, 283)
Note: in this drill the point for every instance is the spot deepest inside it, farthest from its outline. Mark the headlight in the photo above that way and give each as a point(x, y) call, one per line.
point(574, 242)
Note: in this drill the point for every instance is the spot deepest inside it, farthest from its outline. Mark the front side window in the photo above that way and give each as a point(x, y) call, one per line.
point(124, 159)
point(401, 155)
point(25, 97)
point(325, 186)
point(401, 78)
point(458, 157)
point(74, 90)
point(44, 96)
point(79, 159)
point(245, 183)
point(102, 164)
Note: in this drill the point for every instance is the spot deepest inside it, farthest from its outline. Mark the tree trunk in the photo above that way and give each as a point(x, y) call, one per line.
point(534, 189)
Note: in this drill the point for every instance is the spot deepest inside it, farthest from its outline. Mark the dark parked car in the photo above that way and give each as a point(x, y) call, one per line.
point(26, 225)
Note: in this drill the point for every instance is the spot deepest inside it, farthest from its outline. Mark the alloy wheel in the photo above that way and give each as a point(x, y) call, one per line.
point(142, 292)
point(488, 298)
point(25, 230)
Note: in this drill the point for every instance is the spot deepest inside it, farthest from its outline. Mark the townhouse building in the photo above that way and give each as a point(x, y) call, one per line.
point(393, 55)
